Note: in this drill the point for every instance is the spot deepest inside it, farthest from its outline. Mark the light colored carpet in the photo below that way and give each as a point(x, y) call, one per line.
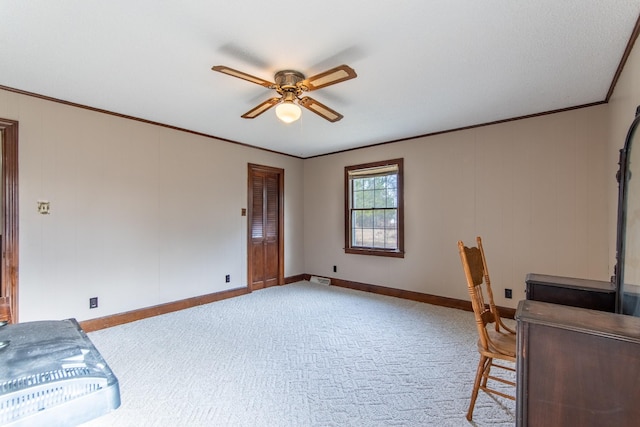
point(299, 355)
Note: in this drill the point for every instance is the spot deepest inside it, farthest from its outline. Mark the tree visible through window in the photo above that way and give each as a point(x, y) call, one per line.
point(373, 208)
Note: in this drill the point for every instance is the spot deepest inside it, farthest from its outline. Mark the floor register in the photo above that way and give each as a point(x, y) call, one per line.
point(51, 374)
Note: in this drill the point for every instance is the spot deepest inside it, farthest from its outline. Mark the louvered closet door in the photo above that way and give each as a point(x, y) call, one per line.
point(264, 229)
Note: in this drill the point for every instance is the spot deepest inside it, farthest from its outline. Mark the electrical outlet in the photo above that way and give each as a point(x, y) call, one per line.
point(93, 302)
point(507, 293)
point(335, 268)
point(227, 278)
point(43, 207)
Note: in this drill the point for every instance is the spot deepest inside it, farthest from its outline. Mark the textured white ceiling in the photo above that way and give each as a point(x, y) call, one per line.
point(424, 66)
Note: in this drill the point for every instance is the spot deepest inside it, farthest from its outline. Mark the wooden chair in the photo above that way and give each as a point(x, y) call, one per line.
point(497, 342)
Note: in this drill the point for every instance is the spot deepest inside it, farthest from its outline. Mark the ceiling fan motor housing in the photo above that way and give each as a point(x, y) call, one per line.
point(287, 81)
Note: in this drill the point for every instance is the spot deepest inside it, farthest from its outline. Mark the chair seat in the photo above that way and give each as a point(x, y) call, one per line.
point(501, 342)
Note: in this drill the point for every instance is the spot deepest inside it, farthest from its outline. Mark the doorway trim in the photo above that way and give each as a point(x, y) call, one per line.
point(280, 172)
point(9, 276)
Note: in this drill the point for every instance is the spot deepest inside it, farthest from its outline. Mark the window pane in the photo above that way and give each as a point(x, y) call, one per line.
point(391, 239)
point(367, 183)
point(392, 198)
point(367, 237)
point(358, 199)
point(378, 218)
point(368, 199)
point(372, 243)
point(356, 219)
point(391, 218)
point(367, 218)
point(357, 237)
point(380, 199)
point(392, 181)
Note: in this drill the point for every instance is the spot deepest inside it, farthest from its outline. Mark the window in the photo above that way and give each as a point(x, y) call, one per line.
point(374, 209)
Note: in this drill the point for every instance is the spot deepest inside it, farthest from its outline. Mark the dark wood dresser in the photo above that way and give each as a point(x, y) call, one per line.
point(591, 294)
point(576, 367)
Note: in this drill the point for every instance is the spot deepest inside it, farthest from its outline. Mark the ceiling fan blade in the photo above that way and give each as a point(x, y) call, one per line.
point(320, 109)
point(243, 76)
point(330, 77)
point(256, 111)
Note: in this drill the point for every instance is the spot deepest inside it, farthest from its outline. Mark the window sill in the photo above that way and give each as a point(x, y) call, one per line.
point(374, 252)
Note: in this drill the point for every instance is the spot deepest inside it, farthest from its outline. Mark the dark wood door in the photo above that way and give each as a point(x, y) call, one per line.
point(9, 202)
point(265, 227)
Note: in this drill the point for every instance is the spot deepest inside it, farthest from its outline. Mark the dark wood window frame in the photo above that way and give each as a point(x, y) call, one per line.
point(349, 246)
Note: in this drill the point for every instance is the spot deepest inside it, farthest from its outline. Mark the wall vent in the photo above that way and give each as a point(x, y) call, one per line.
point(320, 280)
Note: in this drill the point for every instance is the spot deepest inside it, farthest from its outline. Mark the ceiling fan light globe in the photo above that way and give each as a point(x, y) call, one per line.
point(288, 112)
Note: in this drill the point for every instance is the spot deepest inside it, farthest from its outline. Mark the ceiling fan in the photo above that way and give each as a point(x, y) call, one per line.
point(290, 85)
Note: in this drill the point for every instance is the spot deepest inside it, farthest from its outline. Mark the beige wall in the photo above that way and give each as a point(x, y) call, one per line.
point(534, 189)
point(140, 214)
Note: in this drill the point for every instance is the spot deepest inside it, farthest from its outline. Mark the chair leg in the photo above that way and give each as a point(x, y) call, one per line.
point(476, 384)
point(486, 372)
